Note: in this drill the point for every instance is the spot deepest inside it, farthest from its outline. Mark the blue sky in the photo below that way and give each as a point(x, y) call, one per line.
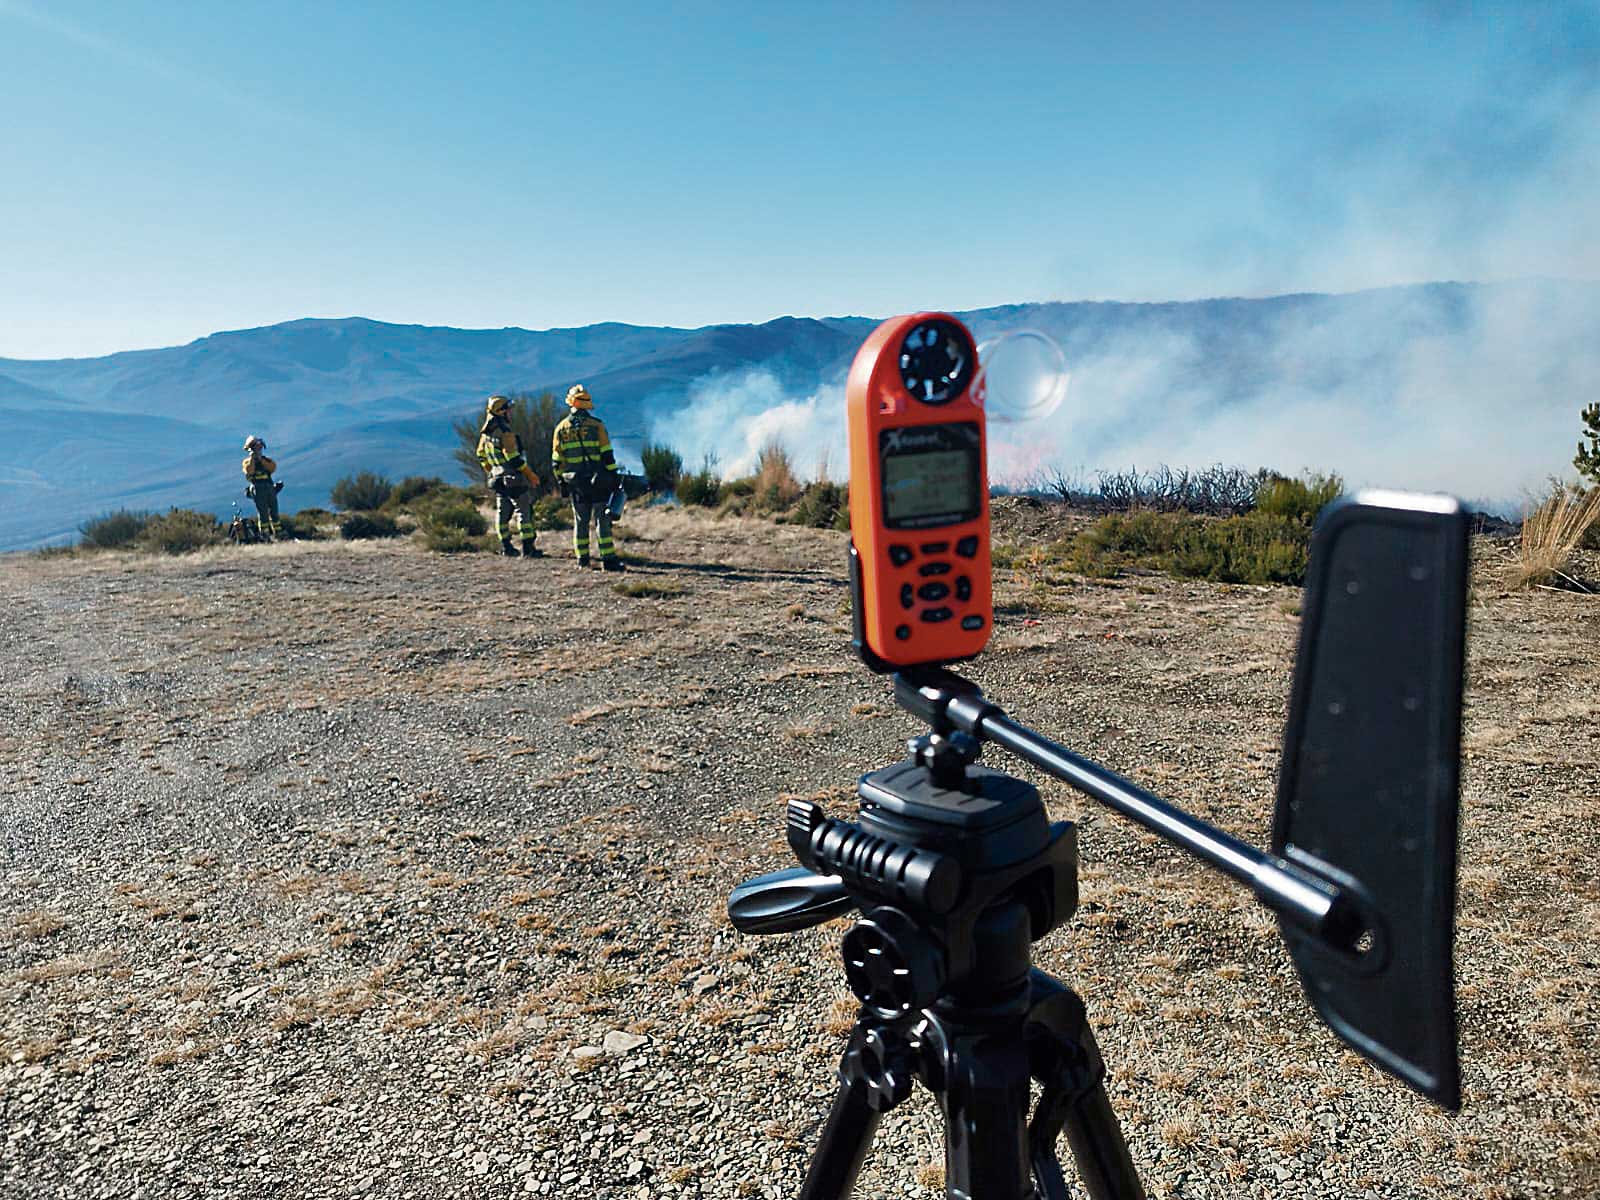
point(168, 170)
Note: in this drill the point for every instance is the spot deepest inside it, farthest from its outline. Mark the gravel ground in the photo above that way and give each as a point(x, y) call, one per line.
point(336, 870)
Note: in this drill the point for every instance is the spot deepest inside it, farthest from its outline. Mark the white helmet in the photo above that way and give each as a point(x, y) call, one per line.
point(254, 443)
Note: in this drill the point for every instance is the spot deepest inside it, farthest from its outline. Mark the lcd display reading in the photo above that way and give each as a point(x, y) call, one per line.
point(938, 487)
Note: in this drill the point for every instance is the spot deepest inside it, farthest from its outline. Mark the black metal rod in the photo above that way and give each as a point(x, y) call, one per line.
point(1310, 902)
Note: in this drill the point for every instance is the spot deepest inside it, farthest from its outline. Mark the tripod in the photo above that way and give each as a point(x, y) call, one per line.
point(956, 873)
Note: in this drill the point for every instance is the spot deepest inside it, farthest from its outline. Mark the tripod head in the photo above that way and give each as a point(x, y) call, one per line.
point(956, 870)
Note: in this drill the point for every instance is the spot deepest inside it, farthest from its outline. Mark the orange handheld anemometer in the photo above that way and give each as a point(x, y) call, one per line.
point(919, 495)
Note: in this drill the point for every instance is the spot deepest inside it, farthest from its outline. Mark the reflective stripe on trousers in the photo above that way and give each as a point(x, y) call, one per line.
point(582, 511)
point(519, 503)
point(267, 509)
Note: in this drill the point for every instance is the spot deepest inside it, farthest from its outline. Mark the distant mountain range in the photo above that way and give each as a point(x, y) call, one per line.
point(151, 429)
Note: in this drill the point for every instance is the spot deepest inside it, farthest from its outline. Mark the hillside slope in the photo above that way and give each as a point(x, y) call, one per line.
point(1422, 381)
point(353, 870)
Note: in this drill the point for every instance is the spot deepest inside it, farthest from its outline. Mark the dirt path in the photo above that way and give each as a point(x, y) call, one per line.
point(335, 870)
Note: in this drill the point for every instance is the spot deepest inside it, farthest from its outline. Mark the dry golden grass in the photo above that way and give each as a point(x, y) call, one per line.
point(775, 478)
point(67, 968)
point(1550, 535)
point(37, 924)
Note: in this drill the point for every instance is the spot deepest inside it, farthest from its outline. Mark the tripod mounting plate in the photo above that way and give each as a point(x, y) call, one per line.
point(987, 800)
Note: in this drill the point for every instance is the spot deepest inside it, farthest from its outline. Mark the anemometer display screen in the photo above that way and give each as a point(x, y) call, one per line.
point(933, 487)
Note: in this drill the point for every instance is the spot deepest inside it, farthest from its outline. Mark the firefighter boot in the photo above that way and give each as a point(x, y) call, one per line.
point(529, 550)
point(612, 563)
point(508, 549)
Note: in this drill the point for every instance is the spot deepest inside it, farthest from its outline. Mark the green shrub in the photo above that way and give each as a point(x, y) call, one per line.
point(444, 496)
point(306, 525)
point(450, 539)
point(702, 488)
point(1297, 499)
point(457, 514)
point(552, 512)
point(823, 505)
point(361, 493)
point(1256, 547)
point(413, 488)
point(360, 526)
point(114, 530)
point(179, 531)
point(663, 467)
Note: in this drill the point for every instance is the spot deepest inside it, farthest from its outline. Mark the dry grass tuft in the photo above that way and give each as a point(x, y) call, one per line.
point(1550, 535)
point(37, 924)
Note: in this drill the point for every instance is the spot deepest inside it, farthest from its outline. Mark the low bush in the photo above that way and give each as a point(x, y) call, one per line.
point(307, 524)
point(1253, 548)
point(361, 493)
point(453, 525)
point(1299, 499)
point(179, 531)
point(552, 512)
point(361, 526)
point(114, 530)
point(823, 505)
point(1218, 490)
point(456, 514)
point(413, 488)
point(1270, 544)
point(663, 466)
point(736, 489)
point(703, 488)
point(450, 539)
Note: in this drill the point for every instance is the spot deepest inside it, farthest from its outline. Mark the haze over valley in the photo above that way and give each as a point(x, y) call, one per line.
point(1471, 388)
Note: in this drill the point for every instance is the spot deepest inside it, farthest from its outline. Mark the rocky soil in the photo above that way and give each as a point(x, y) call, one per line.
point(350, 870)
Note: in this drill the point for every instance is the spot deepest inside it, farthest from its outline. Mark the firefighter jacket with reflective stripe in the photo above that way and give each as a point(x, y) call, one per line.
point(259, 467)
point(581, 448)
point(498, 449)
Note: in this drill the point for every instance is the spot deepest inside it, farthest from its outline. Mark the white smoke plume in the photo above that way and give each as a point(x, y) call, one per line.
point(731, 417)
point(1473, 390)
point(1470, 389)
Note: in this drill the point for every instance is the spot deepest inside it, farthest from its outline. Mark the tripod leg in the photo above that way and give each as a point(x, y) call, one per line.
point(985, 1101)
point(1066, 1060)
point(843, 1148)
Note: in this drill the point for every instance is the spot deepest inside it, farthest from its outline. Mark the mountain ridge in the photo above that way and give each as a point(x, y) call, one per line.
point(333, 395)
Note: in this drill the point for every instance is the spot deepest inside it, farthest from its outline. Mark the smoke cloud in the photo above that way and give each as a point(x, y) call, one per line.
point(1469, 389)
point(730, 418)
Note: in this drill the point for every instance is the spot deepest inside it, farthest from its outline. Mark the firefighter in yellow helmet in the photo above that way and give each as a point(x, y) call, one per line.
point(510, 478)
point(580, 455)
point(258, 469)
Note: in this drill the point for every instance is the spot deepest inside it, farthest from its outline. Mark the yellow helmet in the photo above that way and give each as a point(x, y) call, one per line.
point(578, 397)
point(497, 404)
